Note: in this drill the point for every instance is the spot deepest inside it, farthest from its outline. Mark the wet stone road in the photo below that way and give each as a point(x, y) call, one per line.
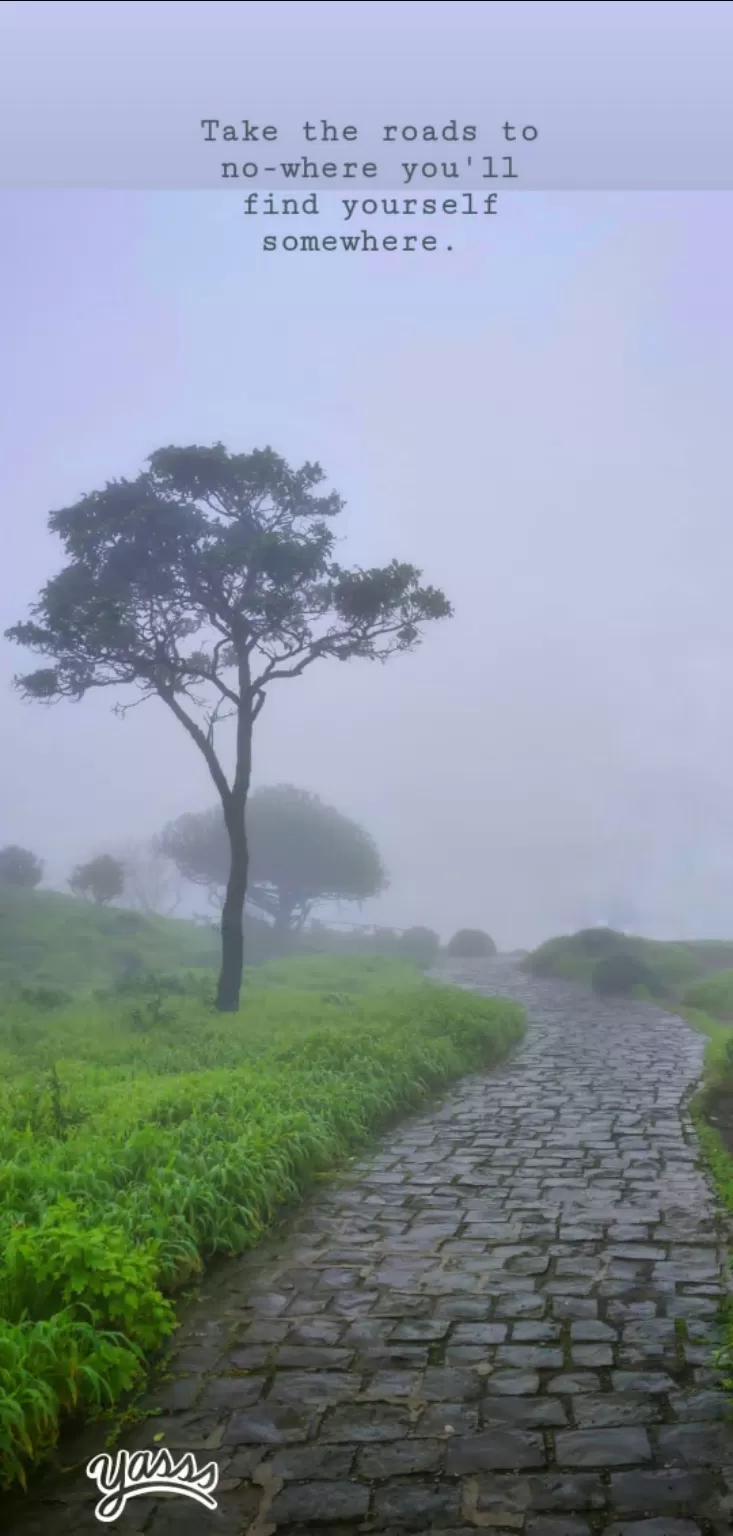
point(503, 1319)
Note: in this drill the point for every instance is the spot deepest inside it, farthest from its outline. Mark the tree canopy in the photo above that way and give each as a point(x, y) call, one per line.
point(301, 852)
point(20, 867)
point(102, 878)
point(201, 582)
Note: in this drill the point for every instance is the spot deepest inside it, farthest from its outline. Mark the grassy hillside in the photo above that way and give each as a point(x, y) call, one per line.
point(49, 939)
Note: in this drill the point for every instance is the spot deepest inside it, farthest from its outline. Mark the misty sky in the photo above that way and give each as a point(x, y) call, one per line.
point(540, 421)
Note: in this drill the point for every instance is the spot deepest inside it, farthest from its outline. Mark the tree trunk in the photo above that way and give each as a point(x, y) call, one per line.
point(232, 916)
point(232, 919)
point(283, 917)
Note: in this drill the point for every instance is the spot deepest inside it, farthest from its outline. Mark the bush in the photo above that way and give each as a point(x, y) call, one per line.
point(20, 867)
point(618, 975)
point(571, 956)
point(596, 942)
point(471, 944)
point(420, 945)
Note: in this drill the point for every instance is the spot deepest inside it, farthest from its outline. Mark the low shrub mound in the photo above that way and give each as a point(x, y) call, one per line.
point(470, 944)
point(622, 974)
point(142, 1134)
point(572, 956)
point(678, 965)
point(421, 946)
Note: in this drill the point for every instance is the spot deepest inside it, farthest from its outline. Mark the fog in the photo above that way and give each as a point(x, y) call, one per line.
point(540, 421)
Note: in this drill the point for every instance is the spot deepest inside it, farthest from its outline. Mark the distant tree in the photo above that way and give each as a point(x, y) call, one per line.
point(18, 866)
point(153, 884)
point(301, 852)
point(102, 878)
point(421, 945)
point(203, 581)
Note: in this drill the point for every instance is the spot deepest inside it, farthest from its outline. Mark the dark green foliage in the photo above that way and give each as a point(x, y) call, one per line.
point(20, 867)
point(470, 944)
point(102, 878)
point(620, 974)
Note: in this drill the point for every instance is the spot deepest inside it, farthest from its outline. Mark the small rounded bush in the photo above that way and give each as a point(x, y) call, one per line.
point(471, 944)
point(617, 975)
point(420, 945)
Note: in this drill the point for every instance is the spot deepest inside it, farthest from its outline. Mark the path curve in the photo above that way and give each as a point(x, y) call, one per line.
point(502, 1319)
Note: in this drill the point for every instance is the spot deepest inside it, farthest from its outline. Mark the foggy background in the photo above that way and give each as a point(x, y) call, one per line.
point(540, 421)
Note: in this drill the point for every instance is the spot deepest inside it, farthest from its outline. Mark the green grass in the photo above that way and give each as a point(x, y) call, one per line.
point(708, 1007)
point(50, 939)
point(713, 995)
point(142, 1134)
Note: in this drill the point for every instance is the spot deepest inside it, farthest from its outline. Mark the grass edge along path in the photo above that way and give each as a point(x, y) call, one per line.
point(716, 1156)
point(104, 1221)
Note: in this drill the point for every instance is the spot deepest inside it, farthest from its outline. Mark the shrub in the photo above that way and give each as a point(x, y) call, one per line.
point(619, 974)
point(471, 944)
point(571, 955)
point(596, 942)
point(103, 878)
point(421, 945)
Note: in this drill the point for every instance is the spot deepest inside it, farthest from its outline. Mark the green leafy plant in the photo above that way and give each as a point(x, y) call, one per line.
point(621, 974)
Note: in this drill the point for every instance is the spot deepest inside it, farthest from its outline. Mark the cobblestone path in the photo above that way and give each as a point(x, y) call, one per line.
point(503, 1319)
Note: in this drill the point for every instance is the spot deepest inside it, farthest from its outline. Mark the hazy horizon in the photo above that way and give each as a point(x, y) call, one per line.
point(538, 422)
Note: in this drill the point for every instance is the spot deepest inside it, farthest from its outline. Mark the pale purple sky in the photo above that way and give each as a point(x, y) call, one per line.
point(540, 421)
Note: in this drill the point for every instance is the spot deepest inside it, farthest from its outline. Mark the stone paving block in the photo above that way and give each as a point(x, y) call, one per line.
point(654, 1527)
point(669, 1491)
point(307, 1502)
point(602, 1448)
point(499, 1449)
point(418, 1503)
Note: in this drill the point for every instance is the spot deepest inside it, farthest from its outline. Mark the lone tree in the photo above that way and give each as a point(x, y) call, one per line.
point(20, 867)
point(301, 852)
point(102, 878)
point(203, 581)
